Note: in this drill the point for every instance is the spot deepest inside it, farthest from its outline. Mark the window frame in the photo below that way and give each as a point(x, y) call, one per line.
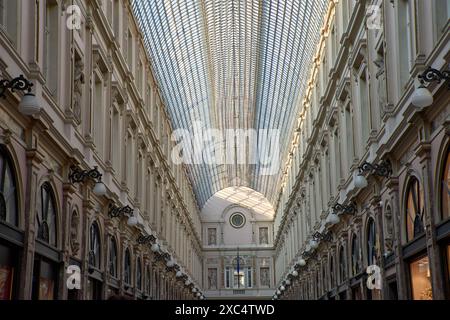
point(7, 165)
point(51, 199)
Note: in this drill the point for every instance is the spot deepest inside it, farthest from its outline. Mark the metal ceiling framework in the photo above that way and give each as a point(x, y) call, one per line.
point(232, 64)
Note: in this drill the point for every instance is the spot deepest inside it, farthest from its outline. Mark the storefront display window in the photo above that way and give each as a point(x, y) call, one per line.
point(420, 279)
point(44, 280)
point(7, 272)
point(445, 202)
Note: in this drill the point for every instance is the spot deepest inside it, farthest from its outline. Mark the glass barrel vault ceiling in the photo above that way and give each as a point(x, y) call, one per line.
point(232, 64)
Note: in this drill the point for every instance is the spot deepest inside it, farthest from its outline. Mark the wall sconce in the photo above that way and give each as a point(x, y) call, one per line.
point(333, 218)
point(422, 97)
point(294, 273)
point(155, 248)
point(77, 175)
point(301, 262)
point(146, 239)
point(384, 169)
point(347, 209)
point(28, 104)
point(309, 255)
point(323, 236)
point(115, 211)
point(313, 244)
point(170, 264)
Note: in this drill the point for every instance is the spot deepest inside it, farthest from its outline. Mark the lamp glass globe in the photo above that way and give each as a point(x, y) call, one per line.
point(334, 218)
point(422, 97)
point(29, 105)
point(99, 189)
point(132, 221)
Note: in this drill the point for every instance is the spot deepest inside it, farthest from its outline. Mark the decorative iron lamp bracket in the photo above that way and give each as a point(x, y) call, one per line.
point(115, 211)
point(323, 236)
point(433, 75)
point(347, 209)
point(384, 169)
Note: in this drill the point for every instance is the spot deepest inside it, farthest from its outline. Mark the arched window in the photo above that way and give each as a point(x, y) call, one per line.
point(414, 210)
point(8, 191)
point(371, 243)
point(331, 272)
point(445, 193)
point(342, 264)
point(127, 267)
point(324, 277)
point(113, 258)
point(139, 274)
point(148, 281)
point(46, 217)
point(94, 246)
point(356, 264)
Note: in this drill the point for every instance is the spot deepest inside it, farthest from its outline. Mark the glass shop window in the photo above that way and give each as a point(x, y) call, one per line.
point(421, 279)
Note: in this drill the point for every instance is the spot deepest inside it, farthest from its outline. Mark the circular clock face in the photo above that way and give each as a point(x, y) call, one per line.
point(237, 220)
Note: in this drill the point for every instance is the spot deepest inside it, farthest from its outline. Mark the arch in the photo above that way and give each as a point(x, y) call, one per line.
point(413, 209)
point(47, 215)
point(9, 193)
point(95, 246)
point(227, 199)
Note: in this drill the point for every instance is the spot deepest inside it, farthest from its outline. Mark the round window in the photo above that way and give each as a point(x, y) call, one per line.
point(237, 220)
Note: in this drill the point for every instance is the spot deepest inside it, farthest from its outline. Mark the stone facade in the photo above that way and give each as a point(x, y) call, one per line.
point(358, 109)
point(100, 107)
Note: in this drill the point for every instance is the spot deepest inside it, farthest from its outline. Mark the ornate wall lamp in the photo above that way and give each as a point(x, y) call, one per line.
point(384, 169)
point(422, 97)
point(28, 104)
point(77, 175)
point(346, 209)
point(300, 263)
point(308, 255)
point(115, 211)
point(323, 236)
point(146, 239)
